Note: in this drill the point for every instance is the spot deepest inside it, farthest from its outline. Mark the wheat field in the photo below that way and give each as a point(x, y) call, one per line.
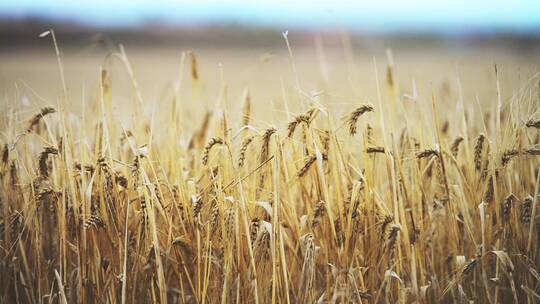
point(296, 178)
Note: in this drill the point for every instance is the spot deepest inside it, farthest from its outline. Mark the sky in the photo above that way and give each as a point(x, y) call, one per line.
point(377, 15)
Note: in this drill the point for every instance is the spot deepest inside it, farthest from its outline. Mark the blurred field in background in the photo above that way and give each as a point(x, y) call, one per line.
point(338, 65)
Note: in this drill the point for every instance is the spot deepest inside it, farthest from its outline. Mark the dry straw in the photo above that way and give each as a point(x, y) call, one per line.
point(303, 213)
point(206, 153)
point(34, 121)
point(533, 124)
point(478, 152)
point(353, 117)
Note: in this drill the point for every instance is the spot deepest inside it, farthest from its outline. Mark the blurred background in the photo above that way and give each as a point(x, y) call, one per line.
point(243, 41)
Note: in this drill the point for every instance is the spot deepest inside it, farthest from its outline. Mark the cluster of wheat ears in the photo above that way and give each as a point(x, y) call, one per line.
point(392, 202)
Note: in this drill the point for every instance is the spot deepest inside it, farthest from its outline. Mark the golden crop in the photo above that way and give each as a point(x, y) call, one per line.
point(398, 199)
